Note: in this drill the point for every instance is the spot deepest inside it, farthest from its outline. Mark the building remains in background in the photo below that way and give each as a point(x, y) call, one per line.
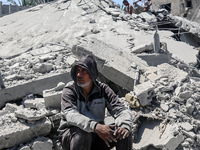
point(188, 9)
point(8, 9)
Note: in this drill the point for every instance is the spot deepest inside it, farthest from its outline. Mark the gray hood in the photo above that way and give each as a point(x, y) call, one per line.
point(88, 62)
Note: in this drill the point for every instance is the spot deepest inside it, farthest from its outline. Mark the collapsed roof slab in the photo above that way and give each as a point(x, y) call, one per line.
point(115, 64)
point(150, 133)
point(34, 87)
point(156, 58)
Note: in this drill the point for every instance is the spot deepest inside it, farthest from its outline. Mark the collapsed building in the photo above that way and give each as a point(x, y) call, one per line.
point(152, 71)
point(188, 9)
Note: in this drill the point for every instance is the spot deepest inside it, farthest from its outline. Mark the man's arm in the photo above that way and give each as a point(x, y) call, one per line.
point(150, 3)
point(136, 2)
point(130, 9)
point(122, 115)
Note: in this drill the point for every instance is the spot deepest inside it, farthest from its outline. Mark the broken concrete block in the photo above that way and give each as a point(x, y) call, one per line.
point(17, 133)
point(147, 47)
point(172, 73)
point(185, 94)
point(25, 148)
point(37, 103)
point(52, 97)
point(3, 112)
point(144, 93)
point(42, 143)
point(156, 43)
point(155, 59)
point(34, 87)
point(189, 134)
point(30, 114)
point(111, 10)
point(70, 60)
point(149, 134)
point(190, 108)
point(46, 57)
point(198, 138)
point(172, 113)
point(42, 68)
point(165, 107)
point(177, 90)
point(12, 107)
point(186, 126)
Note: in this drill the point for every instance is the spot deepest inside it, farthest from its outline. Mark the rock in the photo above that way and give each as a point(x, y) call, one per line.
point(37, 103)
point(144, 93)
point(42, 143)
point(186, 126)
point(43, 68)
point(30, 115)
point(17, 133)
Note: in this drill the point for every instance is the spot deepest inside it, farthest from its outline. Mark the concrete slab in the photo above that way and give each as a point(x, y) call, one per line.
point(115, 64)
point(155, 58)
point(34, 87)
point(149, 135)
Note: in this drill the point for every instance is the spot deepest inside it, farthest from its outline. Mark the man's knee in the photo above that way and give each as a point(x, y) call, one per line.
point(74, 136)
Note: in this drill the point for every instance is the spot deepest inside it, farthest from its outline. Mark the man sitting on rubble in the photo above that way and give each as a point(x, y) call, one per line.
point(129, 7)
point(145, 6)
point(83, 107)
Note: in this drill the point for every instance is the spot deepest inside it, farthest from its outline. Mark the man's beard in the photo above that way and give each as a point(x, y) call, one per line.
point(83, 85)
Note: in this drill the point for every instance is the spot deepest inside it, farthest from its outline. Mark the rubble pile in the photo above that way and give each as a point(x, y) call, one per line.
point(174, 99)
point(159, 84)
point(30, 66)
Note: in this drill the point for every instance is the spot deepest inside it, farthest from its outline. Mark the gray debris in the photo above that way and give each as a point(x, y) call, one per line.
point(160, 77)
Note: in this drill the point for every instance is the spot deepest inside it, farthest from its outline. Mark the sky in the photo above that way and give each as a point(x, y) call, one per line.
point(4, 2)
point(116, 1)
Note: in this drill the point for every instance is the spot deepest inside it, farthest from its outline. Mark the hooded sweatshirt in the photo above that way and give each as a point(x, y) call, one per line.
point(86, 113)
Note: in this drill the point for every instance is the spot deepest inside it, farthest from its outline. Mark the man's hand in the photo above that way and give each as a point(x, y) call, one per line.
point(121, 133)
point(106, 132)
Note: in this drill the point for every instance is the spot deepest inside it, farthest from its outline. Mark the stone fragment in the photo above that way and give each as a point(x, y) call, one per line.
point(189, 134)
point(149, 134)
point(52, 97)
point(17, 133)
point(172, 113)
point(185, 94)
point(37, 103)
point(25, 148)
point(174, 74)
point(165, 107)
point(30, 114)
point(42, 143)
point(46, 57)
point(11, 107)
point(186, 126)
point(190, 108)
point(70, 60)
point(43, 68)
point(144, 93)
point(143, 48)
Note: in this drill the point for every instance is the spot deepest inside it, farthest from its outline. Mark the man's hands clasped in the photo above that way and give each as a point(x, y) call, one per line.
point(110, 133)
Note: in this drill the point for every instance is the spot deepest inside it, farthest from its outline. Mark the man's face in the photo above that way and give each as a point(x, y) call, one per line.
point(83, 77)
point(126, 3)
